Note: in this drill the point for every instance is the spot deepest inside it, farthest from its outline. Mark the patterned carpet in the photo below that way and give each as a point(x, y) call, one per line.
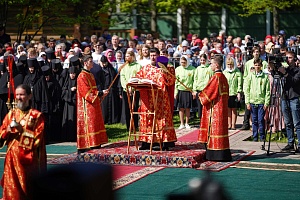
point(184, 154)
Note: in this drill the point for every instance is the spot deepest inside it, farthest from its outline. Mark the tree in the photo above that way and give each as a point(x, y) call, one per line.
point(54, 13)
point(171, 6)
point(261, 6)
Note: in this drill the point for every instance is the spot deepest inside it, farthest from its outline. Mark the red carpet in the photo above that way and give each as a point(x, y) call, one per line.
point(192, 136)
point(124, 175)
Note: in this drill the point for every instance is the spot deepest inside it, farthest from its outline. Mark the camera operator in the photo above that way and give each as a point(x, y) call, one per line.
point(290, 103)
point(249, 68)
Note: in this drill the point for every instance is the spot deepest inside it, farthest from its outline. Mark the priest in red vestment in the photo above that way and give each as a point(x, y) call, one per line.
point(91, 131)
point(214, 123)
point(26, 152)
point(164, 112)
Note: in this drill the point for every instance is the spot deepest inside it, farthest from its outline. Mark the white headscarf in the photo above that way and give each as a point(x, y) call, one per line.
point(234, 64)
point(187, 60)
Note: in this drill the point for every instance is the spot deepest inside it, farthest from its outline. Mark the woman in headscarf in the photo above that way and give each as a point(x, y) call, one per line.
point(109, 54)
point(234, 78)
point(184, 73)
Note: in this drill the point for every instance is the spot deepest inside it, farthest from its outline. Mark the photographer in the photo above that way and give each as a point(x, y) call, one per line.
point(290, 99)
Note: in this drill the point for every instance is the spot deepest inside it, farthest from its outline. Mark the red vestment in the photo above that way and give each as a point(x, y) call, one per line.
point(164, 111)
point(26, 154)
point(214, 121)
point(171, 88)
point(90, 126)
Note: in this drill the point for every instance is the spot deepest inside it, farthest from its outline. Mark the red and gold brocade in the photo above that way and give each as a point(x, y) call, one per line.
point(90, 126)
point(214, 121)
point(164, 112)
point(26, 153)
point(171, 87)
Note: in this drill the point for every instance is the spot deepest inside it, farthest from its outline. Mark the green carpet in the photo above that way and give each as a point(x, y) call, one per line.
point(239, 184)
point(55, 149)
point(61, 149)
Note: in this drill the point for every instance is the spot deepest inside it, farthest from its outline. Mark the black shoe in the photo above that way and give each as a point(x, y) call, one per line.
point(245, 127)
point(165, 149)
point(144, 147)
point(97, 147)
point(288, 148)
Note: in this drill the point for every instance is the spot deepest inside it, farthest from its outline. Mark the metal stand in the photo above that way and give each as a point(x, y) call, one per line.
point(153, 88)
point(275, 95)
point(276, 89)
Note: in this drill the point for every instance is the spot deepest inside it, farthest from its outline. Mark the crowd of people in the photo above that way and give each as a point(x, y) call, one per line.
point(51, 68)
point(68, 91)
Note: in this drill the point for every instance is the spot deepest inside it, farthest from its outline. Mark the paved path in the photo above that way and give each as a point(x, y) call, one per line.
point(237, 141)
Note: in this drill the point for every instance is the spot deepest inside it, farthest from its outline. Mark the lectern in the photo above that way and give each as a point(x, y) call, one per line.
point(153, 88)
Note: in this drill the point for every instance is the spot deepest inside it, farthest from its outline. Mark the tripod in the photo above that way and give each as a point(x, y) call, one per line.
point(277, 87)
point(274, 104)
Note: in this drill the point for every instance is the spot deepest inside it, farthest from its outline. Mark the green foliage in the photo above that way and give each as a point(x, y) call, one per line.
point(54, 12)
point(260, 6)
point(170, 6)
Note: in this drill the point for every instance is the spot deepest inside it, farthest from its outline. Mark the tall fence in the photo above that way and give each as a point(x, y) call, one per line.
point(205, 23)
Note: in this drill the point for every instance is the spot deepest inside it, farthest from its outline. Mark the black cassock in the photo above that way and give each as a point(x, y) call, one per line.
point(4, 79)
point(3, 96)
point(48, 101)
point(111, 109)
point(31, 80)
point(69, 112)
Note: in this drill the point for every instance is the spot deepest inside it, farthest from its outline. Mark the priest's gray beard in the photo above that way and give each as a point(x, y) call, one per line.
point(22, 105)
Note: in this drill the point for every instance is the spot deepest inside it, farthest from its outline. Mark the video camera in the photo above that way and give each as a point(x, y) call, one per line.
point(277, 60)
point(249, 44)
point(249, 47)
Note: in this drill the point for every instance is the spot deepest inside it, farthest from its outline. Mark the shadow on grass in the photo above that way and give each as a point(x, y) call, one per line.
point(116, 132)
point(275, 137)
